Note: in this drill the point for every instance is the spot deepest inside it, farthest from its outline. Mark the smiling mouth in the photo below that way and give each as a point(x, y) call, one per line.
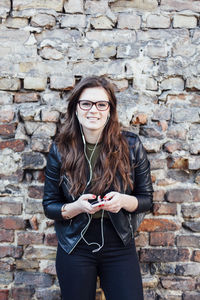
point(92, 118)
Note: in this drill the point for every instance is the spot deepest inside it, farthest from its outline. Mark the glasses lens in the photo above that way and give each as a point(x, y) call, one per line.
point(85, 105)
point(102, 105)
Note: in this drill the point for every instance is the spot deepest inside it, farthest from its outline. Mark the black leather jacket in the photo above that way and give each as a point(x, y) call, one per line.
point(56, 193)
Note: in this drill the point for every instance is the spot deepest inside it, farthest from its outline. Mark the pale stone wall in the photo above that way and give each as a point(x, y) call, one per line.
point(150, 50)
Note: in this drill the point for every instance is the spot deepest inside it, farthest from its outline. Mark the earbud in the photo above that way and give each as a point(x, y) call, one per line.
point(76, 114)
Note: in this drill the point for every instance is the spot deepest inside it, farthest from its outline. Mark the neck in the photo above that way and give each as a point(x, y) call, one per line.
point(91, 136)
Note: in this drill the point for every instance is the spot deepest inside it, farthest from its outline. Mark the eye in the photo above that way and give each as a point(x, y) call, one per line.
point(85, 104)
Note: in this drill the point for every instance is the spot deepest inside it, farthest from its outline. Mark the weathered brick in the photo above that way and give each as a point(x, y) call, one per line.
point(36, 279)
point(6, 114)
point(35, 191)
point(25, 264)
point(190, 211)
point(12, 251)
point(39, 253)
point(48, 267)
point(53, 4)
point(188, 241)
point(173, 146)
point(62, 83)
point(10, 207)
point(141, 239)
point(35, 83)
point(8, 130)
point(196, 256)
point(10, 84)
point(158, 196)
point(4, 293)
point(157, 51)
point(181, 115)
point(194, 163)
point(128, 21)
point(51, 53)
point(73, 21)
point(177, 132)
point(184, 21)
point(48, 294)
point(164, 209)
point(34, 223)
point(177, 283)
point(101, 22)
point(117, 36)
point(146, 5)
point(193, 226)
point(149, 281)
point(74, 6)
point(105, 51)
point(26, 97)
point(158, 225)
point(32, 160)
point(43, 20)
point(12, 223)
point(162, 239)
point(22, 293)
point(26, 238)
point(191, 296)
point(183, 195)
point(157, 255)
point(99, 7)
point(12, 22)
point(50, 239)
point(16, 145)
point(6, 235)
point(188, 269)
point(175, 162)
point(193, 83)
point(158, 21)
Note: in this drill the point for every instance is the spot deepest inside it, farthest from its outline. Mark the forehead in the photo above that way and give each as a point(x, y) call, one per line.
point(94, 94)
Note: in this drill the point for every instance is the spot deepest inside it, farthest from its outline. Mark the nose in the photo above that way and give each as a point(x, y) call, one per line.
point(93, 108)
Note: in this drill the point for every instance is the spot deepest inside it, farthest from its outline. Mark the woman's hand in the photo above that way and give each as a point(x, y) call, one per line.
point(114, 201)
point(80, 205)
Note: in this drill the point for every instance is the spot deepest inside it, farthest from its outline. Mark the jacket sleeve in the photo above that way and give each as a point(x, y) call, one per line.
point(53, 198)
point(143, 189)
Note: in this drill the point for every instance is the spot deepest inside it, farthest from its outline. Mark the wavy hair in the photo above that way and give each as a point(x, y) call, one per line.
point(113, 161)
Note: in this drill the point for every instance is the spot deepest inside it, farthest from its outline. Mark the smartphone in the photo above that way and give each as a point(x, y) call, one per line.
point(96, 203)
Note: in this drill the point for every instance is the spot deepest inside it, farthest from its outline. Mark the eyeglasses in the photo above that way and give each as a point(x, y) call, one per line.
point(87, 105)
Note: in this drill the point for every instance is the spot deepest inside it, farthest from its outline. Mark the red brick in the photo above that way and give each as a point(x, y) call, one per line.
point(6, 235)
point(4, 294)
point(158, 196)
point(26, 97)
point(183, 255)
point(158, 225)
point(35, 191)
point(183, 195)
point(158, 255)
point(196, 256)
point(141, 240)
point(162, 239)
point(26, 238)
point(164, 209)
point(12, 251)
point(8, 130)
point(50, 239)
point(12, 223)
point(36, 279)
point(16, 145)
point(10, 208)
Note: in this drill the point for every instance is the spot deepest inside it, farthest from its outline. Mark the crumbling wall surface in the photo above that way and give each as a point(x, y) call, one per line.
point(150, 51)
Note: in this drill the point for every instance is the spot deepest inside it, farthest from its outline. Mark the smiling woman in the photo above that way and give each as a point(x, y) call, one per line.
point(90, 113)
point(93, 161)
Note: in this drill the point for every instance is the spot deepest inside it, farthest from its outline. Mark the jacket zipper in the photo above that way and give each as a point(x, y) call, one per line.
point(131, 227)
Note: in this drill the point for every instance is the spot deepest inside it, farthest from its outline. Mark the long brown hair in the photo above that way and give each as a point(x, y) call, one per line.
point(113, 161)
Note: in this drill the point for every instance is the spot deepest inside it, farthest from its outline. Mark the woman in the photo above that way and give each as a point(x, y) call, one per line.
point(92, 160)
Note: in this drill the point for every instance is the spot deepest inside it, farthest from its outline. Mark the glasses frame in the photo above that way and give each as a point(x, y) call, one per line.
point(93, 103)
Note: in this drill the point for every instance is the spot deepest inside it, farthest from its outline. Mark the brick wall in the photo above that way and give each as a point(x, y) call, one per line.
point(150, 51)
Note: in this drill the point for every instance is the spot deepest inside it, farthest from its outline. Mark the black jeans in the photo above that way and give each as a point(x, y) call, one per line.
point(116, 265)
